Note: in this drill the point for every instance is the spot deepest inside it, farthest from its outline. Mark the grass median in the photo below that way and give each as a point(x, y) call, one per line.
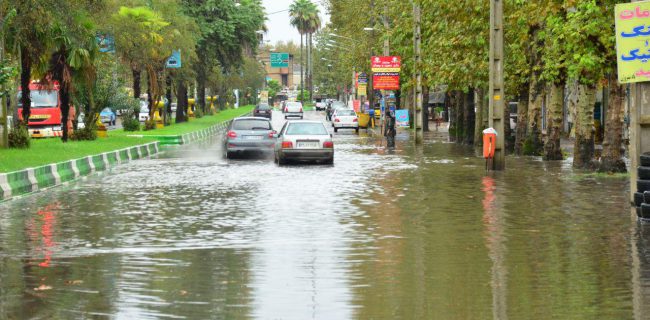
point(52, 150)
point(192, 125)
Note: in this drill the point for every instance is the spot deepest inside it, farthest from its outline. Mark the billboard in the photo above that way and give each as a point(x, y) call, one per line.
point(402, 118)
point(386, 64)
point(385, 81)
point(279, 60)
point(633, 41)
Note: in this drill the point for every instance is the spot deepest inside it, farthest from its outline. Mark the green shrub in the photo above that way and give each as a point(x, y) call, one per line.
point(150, 124)
point(130, 120)
point(198, 113)
point(84, 134)
point(19, 137)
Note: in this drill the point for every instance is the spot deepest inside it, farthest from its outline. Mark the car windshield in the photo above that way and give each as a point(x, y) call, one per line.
point(251, 124)
point(345, 113)
point(306, 129)
point(294, 104)
point(41, 98)
point(263, 107)
point(336, 105)
point(106, 110)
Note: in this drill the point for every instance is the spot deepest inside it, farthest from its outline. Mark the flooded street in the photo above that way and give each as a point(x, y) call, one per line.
point(412, 234)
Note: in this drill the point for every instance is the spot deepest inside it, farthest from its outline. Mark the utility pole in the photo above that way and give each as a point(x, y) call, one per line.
point(4, 138)
point(497, 95)
point(417, 106)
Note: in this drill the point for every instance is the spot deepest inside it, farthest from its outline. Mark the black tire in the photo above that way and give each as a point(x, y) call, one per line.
point(356, 130)
point(639, 198)
point(285, 117)
point(645, 160)
point(281, 161)
point(642, 185)
point(329, 161)
point(644, 172)
point(645, 211)
point(229, 155)
point(336, 129)
point(638, 212)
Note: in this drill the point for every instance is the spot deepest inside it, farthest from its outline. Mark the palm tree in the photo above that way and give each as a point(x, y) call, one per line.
point(299, 13)
point(313, 24)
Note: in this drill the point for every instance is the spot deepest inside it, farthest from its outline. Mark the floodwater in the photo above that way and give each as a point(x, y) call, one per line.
point(418, 233)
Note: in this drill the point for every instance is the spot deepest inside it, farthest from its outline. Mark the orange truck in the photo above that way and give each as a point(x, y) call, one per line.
point(45, 118)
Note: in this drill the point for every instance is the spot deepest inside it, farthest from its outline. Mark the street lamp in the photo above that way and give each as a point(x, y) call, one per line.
point(368, 29)
point(336, 35)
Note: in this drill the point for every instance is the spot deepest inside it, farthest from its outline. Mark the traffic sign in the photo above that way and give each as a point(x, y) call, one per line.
point(279, 60)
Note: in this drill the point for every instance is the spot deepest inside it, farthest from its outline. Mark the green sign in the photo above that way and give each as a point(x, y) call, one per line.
point(633, 41)
point(279, 60)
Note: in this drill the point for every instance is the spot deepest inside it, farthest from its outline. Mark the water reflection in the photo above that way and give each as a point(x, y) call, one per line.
point(495, 241)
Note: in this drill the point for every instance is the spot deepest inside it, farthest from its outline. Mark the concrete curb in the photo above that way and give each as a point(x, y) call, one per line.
point(30, 180)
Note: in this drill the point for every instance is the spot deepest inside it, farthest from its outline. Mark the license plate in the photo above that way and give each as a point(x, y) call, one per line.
point(56, 128)
point(307, 145)
point(253, 137)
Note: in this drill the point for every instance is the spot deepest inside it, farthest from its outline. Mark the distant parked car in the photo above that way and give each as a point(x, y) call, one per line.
point(263, 110)
point(345, 118)
point(108, 116)
point(249, 135)
point(293, 109)
point(321, 105)
point(303, 140)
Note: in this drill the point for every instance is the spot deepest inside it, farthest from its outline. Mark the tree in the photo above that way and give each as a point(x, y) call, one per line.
point(299, 11)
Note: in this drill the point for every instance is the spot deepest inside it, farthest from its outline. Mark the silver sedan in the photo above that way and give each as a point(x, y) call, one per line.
point(249, 135)
point(303, 140)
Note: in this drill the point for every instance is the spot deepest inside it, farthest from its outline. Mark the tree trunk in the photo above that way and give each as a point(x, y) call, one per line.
point(181, 101)
point(425, 108)
point(302, 69)
point(612, 157)
point(469, 117)
point(25, 79)
point(168, 95)
point(584, 127)
point(522, 122)
point(200, 89)
point(478, 123)
point(309, 67)
point(137, 76)
point(533, 145)
point(552, 148)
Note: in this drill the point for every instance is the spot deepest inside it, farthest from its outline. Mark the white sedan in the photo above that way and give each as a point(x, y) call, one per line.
point(345, 118)
point(304, 141)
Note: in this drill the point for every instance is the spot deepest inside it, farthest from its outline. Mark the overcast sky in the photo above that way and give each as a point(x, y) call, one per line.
point(278, 23)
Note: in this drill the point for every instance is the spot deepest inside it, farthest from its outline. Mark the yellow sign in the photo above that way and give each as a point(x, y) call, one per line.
point(386, 69)
point(264, 96)
point(633, 41)
point(39, 116)
point(497, 97)
point(362, 91)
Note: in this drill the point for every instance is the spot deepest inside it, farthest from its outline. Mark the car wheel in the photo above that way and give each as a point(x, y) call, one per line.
point(281, 161)
point(329, 161)
point(336, 129)
point(300, 117)
point(356, 130)
point(229, 155)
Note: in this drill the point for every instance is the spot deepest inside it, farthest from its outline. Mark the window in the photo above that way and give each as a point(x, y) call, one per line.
point(285, 80)
point(251, 124)
point(42, 98)
point(306, 129)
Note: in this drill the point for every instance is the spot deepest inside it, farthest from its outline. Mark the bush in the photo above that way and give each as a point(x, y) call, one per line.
point(130, 119)
point(150, 124)
point(198, 113)
point(84, 134)
point(19, 137)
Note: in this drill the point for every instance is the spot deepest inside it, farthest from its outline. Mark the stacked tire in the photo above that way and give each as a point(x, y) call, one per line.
point(642, 196)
